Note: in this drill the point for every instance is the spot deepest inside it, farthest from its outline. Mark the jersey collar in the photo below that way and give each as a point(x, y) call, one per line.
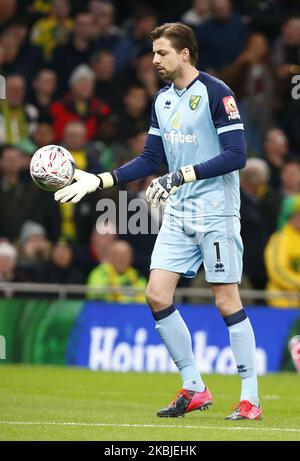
point(183, 90)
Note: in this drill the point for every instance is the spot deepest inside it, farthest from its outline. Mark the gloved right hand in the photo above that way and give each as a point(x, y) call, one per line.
point(85, 184)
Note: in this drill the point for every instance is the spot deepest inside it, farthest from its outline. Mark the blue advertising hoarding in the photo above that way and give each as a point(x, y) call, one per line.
point(123, 338)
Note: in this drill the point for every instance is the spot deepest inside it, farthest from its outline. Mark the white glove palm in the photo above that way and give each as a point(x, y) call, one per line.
point(85, 183)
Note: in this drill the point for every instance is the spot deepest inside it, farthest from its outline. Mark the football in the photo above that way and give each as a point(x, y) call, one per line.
point(52, 168)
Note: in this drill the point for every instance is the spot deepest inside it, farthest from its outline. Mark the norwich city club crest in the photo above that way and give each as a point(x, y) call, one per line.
point(194, 101)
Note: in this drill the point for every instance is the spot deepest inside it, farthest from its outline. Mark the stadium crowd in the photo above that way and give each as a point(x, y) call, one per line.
point(80, 74)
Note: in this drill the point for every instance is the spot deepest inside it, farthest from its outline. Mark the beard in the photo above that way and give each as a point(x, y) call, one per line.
point(170, 76)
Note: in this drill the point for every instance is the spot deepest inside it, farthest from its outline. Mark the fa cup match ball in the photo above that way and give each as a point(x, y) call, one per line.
point(52, 167)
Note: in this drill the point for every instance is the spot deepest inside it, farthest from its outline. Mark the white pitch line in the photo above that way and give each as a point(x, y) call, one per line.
point(159, 426)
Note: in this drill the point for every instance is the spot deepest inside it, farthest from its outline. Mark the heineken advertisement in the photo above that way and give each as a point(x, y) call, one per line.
point(103, 336)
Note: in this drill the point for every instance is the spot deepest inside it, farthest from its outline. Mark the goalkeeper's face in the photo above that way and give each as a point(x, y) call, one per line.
point(167, 60)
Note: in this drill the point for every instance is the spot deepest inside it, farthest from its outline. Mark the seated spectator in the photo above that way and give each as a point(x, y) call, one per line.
point(90, 254)
point(107, 34)
point(107, 141)
point(27, 148)
point(286, 57)
point(146, 74)
point(197, 14)
point(19, 199)
point(217, 37)
point(8, 9)
point(290, 178)
point(60, 268)
point(137, 37)
point(44, 132)
point(8, 262)
point(282, 254)
point(276, 152)
point(34, 249)
point(134, 115)
point(79, 104)
point(259, 212)
point(117, 272)
point(19, 56)
point(251, 77)
point(78, 50)
point(44, 87)
point(108, 85)
point(17, 119)
point(50, 32)
point(75, 141)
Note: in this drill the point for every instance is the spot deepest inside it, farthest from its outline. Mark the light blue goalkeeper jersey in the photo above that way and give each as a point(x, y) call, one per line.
point(189, 122)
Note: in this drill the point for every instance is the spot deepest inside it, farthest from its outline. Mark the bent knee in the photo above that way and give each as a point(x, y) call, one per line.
point(227, 305)
point(157, 298)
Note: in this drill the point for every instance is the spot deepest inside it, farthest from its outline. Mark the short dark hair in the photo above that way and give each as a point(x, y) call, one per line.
point(180, 35)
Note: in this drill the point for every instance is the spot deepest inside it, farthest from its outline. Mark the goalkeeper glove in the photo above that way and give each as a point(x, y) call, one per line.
point(85, 183)
point(160, 188)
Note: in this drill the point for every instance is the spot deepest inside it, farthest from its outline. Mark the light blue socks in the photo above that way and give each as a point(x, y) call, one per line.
point(177, 339)
point(243, 347)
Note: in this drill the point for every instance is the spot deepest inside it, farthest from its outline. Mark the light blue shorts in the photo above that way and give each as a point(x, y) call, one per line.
point(182, 245)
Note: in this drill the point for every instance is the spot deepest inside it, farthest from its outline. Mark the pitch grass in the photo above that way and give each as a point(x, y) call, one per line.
point(58, 403)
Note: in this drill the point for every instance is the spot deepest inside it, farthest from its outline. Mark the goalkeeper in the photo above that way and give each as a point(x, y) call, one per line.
point(196, 129)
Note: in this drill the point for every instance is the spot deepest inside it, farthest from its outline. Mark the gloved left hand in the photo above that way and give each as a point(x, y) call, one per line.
point(160, 188)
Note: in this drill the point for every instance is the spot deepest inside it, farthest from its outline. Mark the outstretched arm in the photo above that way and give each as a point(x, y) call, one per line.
point(147, 163)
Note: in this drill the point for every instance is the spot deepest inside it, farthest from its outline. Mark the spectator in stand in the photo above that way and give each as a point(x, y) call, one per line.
point(107, 34)
point(276, 153)
point(117, 272)
point(290, 178)
point(8, 9)
point(108, 85)
point(75, 140)
point(60, 268)
point(217, 37)
point(146, 74)
point(27, 148)
point(19, 56)
point(107, 142)
point(8, 262)
point(18, 198)
point(17, 119)
point(76, 51)
point(134, 115)
point(197, 14)
point(282, 254)
point(44, 132)
point(93, 252)
point(259, 212)
point(34, 249)
point(286, 57)
point(137, 38)
point(44, 87)
point(79, 104)
point(251, 77)
point(53, 31)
